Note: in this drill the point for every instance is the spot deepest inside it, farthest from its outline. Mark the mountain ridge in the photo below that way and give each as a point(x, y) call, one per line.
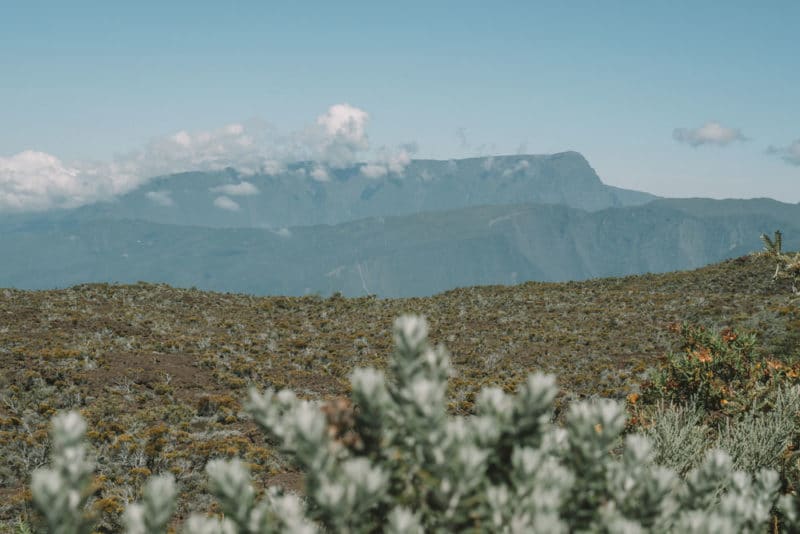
point(409, 255)
point(466, 222)
point(295, 198)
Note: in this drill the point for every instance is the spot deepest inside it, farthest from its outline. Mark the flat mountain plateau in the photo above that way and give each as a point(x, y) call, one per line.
point(160, 373)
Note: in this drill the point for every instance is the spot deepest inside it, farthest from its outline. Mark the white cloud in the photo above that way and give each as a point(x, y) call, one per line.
point(234, 129)
point(161, 198)
point(34, 181)
point(272, 167)
point(345, 121)
point(37, 179)
point(183, 139)
point(242, 189)
point(373, 170)
point(790, 154)
point(388, 161)
point(226, 203)
point(320, 174)
point(711, 133)
point(338, 136)
point(397, 160)
point(521, 165)
point(230, 146)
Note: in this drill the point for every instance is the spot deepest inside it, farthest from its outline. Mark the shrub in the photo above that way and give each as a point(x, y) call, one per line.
point(759, 439)
point(682, 434)
point(404, 465)
point(61, 491)
point(718, 392)
point(718, 372)
point(679, 436)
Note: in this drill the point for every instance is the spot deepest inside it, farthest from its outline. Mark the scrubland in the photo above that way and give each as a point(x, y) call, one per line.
point(160, 373)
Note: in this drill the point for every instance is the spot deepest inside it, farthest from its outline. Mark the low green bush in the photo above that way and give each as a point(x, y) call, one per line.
point(718, 391)
point(718, 372)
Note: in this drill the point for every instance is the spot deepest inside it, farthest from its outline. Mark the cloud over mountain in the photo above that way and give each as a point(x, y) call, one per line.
point(33, 180)
point(161, 198)
point(242, 189)
point(711, 133)
point(320, 174)
point(341, 136)
point(36, 181)
point(226, 203)
point(233, 144)
point(389, 161)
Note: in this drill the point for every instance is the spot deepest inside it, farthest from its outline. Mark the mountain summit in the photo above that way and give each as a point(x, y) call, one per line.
point(306, 194)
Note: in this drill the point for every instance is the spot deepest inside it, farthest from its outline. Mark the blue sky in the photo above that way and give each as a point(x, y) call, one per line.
point(85, 81)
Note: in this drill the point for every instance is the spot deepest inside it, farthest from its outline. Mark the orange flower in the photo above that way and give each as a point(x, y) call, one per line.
point(729, 335)
point(703, 355)
point(724, 402)
point(633, 397)
point(772, 364)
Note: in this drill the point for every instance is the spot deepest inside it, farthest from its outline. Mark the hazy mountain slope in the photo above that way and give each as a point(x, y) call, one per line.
point(295, 198)
point(732, 206)
point(396, 256)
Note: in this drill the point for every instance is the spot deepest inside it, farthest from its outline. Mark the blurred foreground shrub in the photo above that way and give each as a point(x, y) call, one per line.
point(393, 460)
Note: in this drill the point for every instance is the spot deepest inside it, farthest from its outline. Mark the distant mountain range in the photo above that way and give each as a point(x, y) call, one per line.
point(441, 225)
point(306, 195)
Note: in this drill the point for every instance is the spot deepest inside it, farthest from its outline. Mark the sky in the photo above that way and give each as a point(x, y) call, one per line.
point(675, 98)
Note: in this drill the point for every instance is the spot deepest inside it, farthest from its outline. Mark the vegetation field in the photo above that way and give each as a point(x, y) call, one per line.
point(160, 373)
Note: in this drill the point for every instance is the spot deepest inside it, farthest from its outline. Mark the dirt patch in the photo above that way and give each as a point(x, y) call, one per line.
point(179, 371)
